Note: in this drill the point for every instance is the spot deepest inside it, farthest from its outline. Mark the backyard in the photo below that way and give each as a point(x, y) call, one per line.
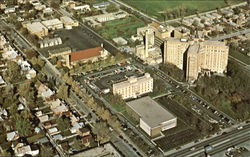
point(178, 8)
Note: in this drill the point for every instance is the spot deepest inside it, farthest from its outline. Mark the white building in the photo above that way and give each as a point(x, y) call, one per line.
point(53, 24)
point(153, 118)
point(101, 5)
point(9, 10)
point(69, 22)
point(47, 11)
point(82, 8)
point(21, 150)
point(2, 41)
point(134, 86)
point(107, 17)
point(50, 42)
point(37, 29)
point(12, 136)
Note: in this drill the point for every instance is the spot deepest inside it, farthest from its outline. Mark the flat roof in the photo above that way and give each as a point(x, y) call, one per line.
point(150, 111)
point(133, 80)
point(84, 54)
point(51, 22)
point(214, 43)
point(66, 19)
point(35, 27)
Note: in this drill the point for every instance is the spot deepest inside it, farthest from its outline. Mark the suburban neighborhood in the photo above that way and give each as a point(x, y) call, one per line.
point(125, 78)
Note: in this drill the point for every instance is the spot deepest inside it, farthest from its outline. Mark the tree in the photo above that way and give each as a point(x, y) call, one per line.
point(31, 53)
point(23, 89)
point(26, 114)
point(63, 91)
point(77, 144)
point(46, 151)
point(106, 114)
point(226, 2)
point(41, 77)
point(13, 72)
point(114, 122)
point(159, 86)
point(23, 126)
point(63, 123)
point(173, 71)
point(5, 153)
point(101, 130)
point(54, 5)
point(28, 91)
point(112, 8)
point(116, 99)
point(195, 23)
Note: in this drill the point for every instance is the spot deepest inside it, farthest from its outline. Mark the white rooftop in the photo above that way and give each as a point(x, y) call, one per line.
point(35, 27)
point(51, 22)
point(150, 111)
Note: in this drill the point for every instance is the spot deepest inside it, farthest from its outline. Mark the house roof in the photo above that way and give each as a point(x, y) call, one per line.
point(85, 54)
point(11, 135)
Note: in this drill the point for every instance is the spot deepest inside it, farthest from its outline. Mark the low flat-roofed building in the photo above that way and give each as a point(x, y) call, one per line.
point(107, 17)
point(9, 10)
point(88, 54)
point(153, 118)
point(53, 24)
point(37, 29)
point(82, 7)
point(101, 5)
point(50, 42)
point(69, 22)
point(134, 86)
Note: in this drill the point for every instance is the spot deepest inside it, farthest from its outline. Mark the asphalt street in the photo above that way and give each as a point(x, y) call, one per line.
point(215, 142)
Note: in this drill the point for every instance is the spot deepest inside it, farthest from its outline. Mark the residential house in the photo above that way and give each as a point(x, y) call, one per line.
point(83, 131)
point(12, 136)
point(20, 150)
point(86, 140)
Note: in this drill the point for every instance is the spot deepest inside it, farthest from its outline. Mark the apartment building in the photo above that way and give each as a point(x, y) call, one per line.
point(134, 86)
point(207, 56)
point(196, 56)
point(174, 50)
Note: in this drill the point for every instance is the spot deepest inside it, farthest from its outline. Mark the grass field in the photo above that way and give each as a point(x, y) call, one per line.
point(120, 28)
point(241, 57)
point(155, 8)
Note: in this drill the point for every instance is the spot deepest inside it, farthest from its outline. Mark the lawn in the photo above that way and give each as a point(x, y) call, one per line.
point(241, 57)
point(122, 27)
point(155, 8)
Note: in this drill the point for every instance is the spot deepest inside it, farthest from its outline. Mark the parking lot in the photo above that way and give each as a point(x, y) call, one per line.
point(104, 79)
point(185, 132)
point(76, 38)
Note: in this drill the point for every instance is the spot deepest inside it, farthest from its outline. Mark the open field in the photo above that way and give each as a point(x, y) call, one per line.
point(122, 27)
point(156, 8)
